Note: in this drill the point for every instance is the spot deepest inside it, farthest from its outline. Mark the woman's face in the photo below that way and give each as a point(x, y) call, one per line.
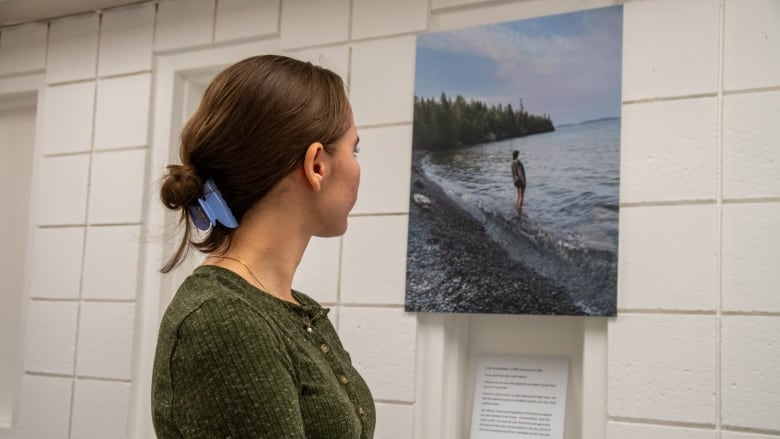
point(341, 188)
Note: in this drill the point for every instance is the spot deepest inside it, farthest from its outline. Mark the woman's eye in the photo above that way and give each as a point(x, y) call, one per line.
point(356, 151)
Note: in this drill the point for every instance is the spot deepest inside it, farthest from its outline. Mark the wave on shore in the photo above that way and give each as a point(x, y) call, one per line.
point(461, 255)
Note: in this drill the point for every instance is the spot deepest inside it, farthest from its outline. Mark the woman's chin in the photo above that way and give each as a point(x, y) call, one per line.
point(332, 232)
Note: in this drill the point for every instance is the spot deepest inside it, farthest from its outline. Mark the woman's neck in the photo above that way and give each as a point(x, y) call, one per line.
point(265, 250)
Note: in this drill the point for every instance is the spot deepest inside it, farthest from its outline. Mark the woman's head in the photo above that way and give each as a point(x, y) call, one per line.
point(515, 153)
point(252, 128)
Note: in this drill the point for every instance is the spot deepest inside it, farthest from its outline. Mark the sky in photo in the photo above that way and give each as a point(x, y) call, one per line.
point(567, 66)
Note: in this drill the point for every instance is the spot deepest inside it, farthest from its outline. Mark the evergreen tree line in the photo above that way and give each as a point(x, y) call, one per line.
point(446, 123)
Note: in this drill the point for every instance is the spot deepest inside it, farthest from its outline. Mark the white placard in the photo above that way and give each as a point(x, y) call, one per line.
point(519, 397)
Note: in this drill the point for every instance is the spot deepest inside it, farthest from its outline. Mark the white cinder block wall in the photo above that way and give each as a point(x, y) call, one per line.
point(695, 351)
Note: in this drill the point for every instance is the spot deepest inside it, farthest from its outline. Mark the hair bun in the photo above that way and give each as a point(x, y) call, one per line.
point(181, 186)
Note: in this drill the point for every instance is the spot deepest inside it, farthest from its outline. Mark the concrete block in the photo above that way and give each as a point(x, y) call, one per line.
point(56, 269)
point(750, 372)
point(108, 399)
point(373, 266)
point(333, 316)
point(386, 363)
point(126, 38)
point(246, 18)
point(335, 58)
point(386, 162)
point(184, 23)
point(751, 40)
point(373, 18)
point(312, 22)
point(382, 83)
point(50, 337)
point(62, 190)
point(67, 118)
point(669, 151)
point(44, 408)
point(668, 258)
point(662, 367)
point(449, 14)
point(670, 48)
point(116, 189)
point(394, 421)
point(318, 273)
point(105, 344)
point(23, 48)
point(751, 251)
point(751, 156)
point(72, 53)
point(111, 262)
point(122, 114)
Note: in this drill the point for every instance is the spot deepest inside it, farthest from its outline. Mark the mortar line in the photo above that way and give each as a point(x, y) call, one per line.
point(719, 229)
point(86, 229)
point(214, 21)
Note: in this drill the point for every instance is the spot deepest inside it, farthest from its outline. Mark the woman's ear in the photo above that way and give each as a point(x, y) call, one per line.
point(314, 165)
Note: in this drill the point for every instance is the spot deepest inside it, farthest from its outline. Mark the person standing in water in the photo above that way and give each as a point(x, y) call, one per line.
point(518, 175)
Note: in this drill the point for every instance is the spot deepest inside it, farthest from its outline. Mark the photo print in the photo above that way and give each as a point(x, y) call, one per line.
point(514, 195)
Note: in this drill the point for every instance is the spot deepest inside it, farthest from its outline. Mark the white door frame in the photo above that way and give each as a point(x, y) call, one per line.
point(20, 90)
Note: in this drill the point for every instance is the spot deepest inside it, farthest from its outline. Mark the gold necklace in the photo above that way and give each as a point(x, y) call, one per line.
point(247, 269)
point(306, 319)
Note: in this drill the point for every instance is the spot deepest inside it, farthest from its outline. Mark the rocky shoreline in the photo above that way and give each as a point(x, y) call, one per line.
point(454, 266)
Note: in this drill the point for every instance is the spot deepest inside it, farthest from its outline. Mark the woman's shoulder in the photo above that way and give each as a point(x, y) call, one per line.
point(215, 294)
point(202, 286)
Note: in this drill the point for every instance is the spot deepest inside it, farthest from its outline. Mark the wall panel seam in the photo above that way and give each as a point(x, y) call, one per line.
point(692, 202)
point(738, 429)
point(719, 223)
point(750, 200)
point(394, 402)
point(662, 423)
point(384, 124)
point(122, 149)
point(13, 75)
point(678, 312)
point(670, 98)
point(125, 74)
point(86, 230)
point(374, 214)
point(751, 90)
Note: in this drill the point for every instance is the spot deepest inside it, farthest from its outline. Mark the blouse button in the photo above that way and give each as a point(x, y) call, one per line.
point(308, 329)
point(343, 380)
point(325, 348)
point(361, 411)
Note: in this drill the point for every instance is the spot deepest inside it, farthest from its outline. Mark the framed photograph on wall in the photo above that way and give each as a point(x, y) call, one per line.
point(514, 196)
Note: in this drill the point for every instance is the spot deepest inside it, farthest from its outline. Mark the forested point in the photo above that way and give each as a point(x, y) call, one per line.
point(447, 123)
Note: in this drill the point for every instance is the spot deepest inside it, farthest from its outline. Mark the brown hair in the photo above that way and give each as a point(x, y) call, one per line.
point(252, 128)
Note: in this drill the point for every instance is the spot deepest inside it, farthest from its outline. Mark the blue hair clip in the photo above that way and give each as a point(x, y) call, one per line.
point(211, 209)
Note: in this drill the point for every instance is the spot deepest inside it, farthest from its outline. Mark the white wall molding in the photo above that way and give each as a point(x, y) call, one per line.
point(442, 357)
point(21, 91)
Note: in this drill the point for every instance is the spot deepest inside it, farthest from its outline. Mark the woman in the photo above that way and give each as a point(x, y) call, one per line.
point(268, 161)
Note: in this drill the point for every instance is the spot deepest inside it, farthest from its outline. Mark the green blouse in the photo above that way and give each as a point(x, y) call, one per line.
point(235, 362)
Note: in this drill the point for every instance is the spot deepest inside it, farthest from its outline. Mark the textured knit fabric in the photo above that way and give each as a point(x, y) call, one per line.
point(235, 362)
